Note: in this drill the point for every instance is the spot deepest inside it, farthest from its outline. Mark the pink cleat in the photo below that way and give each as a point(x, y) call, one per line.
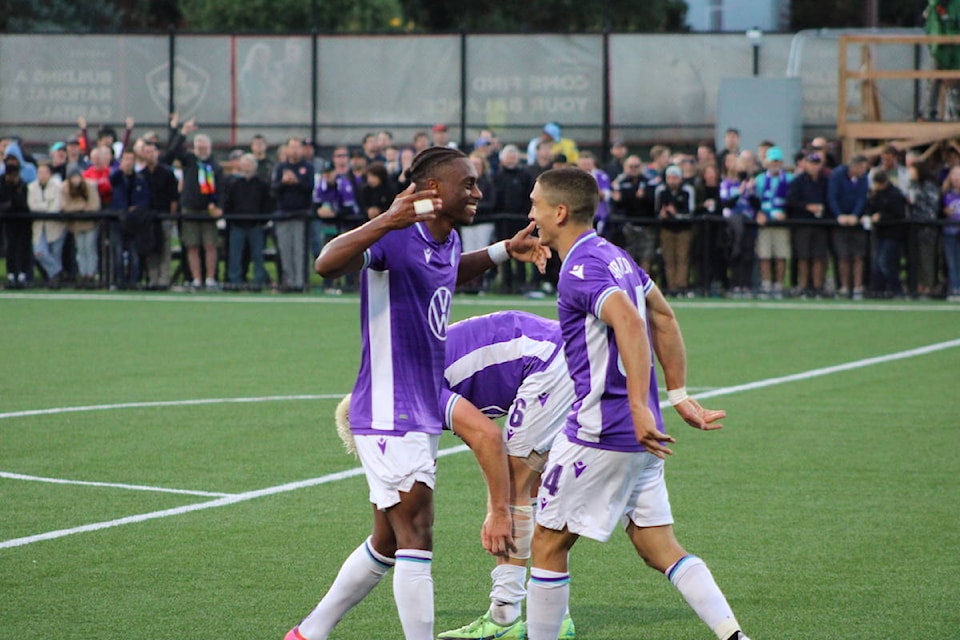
point(294, 634)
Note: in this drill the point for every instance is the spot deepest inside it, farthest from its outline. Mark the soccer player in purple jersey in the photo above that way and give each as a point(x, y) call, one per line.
point(411, 262)
point(606, 467)
point(508, 364)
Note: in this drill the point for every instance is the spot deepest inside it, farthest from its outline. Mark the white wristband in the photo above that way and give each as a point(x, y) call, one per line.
point(676, 396)
point(498, 252)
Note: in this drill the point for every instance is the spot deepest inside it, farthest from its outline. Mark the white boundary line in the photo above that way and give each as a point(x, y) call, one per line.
point(350, 473)
point(168, 403)
point(199, 401)
point(477, 301)
point(112, 485)
point(220, 502)
point(165, 403)
point(815, 373)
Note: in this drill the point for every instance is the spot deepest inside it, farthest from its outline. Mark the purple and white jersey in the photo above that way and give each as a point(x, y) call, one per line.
point(406, 288)
point(592, 271)
point(488, 357)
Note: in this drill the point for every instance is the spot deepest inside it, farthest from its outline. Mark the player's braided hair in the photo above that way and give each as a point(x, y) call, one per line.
point(427, 161)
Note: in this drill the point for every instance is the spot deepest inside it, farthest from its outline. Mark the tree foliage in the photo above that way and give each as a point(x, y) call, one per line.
point(371, 16)
point(332, 16)
point(547, 15)
point(810, 14)
point(102, 15)
point(345, 16)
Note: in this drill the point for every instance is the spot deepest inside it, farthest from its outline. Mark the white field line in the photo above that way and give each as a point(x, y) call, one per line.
point(168, 403)
point(481, 301)
point(199, 401)
point(111, 485)
point(349, 473)
point(220, 502)
point(824, 371)
point(164, 403)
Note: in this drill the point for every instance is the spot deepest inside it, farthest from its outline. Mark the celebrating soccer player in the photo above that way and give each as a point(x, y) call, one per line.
point(411, 261)
point(606, 466)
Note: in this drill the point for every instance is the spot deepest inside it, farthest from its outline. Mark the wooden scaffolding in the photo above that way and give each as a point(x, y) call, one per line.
point(869, 134)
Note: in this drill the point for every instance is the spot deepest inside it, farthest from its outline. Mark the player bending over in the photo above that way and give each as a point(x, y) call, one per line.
point(509, 364)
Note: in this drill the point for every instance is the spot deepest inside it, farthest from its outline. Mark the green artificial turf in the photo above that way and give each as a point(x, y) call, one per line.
point(827, 507)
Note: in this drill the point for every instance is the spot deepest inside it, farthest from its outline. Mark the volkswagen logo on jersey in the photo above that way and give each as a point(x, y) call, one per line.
point(439, 312)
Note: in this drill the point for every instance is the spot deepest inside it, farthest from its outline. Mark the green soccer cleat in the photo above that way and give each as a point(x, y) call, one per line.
point(567, 632)
point(484, 628)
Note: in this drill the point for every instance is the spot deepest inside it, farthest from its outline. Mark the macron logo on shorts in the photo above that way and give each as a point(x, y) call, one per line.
point(543, 398)
point(510, 433)
point(543, 503)
point(382, 443)
point(578, 468)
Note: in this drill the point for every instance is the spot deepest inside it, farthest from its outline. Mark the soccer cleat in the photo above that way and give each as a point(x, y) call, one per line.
point(484, 628)
point(567, 632)
point(294, 634)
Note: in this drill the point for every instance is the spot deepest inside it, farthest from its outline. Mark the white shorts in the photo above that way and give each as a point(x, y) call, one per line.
point(539, 411)
point(394, 463)
point(590, 490)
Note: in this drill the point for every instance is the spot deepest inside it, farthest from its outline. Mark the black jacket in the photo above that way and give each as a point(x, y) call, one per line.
point(13, 196)
point(246, 196)
point(804, 190)
point(892, 207)
point(194, 196)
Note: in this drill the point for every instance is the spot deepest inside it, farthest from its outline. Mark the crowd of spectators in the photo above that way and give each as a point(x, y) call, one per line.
point(110, 212)
point(757, 223)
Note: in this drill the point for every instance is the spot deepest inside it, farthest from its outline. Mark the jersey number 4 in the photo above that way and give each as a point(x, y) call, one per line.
point(551, 481)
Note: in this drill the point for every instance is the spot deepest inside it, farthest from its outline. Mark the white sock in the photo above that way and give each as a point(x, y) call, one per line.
point(694, 581)
point(360, 573)
point(548, 594)
point(413, 593)
point(507, 593)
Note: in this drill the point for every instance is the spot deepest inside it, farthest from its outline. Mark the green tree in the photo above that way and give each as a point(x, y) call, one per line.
point(810, 14)
point(337, 16)
point(103, 15)
point(546, 15)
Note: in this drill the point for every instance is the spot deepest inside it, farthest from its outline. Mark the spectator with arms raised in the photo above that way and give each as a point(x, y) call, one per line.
point(202, 180)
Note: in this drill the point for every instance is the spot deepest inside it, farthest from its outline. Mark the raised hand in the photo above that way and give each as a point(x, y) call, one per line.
point(402, 212)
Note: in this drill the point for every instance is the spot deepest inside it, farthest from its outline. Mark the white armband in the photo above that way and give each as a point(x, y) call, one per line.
point(498, 252)
point(676, 396)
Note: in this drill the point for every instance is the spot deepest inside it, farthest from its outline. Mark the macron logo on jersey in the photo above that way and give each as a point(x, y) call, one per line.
point(426, 255)
point(577, 271)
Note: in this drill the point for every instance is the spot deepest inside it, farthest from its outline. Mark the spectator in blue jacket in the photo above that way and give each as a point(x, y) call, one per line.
point(807, 201)
point(131, 201)
point(847, 191)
